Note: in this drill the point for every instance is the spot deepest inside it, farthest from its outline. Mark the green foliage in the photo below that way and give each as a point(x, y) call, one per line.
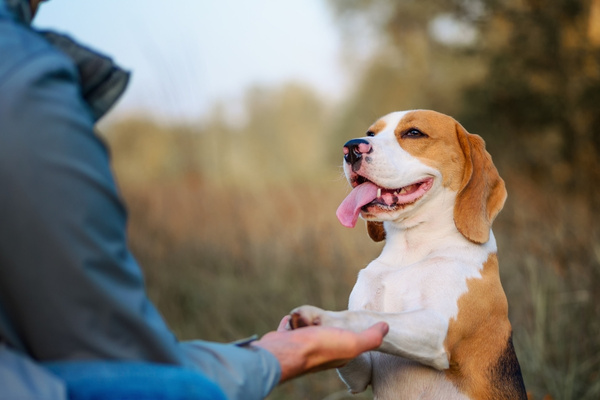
point(543, 81)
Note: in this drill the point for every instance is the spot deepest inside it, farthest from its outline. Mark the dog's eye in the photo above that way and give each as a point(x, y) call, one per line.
point(414, 133)
point(370, 133)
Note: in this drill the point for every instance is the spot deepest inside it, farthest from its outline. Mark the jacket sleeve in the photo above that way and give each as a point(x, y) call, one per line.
point(69, 286)
point(245, 372)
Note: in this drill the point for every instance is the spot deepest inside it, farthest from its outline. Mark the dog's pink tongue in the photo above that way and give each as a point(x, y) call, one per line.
point(349, 210)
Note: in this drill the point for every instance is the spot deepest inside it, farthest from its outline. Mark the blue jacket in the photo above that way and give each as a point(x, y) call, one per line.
point(70, 288)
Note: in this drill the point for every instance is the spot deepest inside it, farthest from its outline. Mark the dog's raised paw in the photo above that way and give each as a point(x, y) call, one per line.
point(305, 316)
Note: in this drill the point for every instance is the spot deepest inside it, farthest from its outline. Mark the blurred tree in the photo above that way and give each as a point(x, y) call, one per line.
point(543, 86)
point(281, 136)
point(284, 135)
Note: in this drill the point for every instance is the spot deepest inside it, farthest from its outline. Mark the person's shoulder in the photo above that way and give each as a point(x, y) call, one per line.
point(21, 48)
point(35, 77)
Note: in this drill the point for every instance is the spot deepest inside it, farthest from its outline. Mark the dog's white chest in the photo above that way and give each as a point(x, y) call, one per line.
point(434, 283)
point(372, 290)
point(385, 289)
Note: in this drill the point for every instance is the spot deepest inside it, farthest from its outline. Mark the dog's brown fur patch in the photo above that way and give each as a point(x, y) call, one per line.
point(483, 364)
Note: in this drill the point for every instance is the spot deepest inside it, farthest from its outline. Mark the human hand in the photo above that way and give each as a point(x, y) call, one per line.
point(316, 348)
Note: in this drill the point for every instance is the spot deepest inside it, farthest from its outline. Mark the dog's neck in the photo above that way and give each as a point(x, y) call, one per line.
point(422, 230)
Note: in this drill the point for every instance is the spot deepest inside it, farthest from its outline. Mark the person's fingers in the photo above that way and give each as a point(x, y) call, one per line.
point(283, 325)
point(369, 339)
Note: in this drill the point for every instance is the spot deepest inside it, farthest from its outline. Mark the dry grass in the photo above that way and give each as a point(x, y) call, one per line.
point(223, 263)
point(227, 257)
point(550, 268)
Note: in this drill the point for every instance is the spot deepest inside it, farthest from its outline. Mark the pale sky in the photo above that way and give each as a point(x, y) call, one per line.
point(186, 54)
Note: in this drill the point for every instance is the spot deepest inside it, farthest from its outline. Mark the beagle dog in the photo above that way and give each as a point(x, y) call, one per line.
point(430, 190)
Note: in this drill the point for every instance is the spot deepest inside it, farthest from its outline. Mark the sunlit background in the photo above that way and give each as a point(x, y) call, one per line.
point(227, 149)
point(186, 55)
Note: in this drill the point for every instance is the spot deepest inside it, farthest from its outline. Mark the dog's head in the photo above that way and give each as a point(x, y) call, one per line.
point(409, 157)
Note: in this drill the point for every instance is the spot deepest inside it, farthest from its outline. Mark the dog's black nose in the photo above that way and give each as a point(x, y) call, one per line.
point(354, 150)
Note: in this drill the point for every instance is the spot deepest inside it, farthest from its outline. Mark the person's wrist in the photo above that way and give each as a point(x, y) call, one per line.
point(292, 355)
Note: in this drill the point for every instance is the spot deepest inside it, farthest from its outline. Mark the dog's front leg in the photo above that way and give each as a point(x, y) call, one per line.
point(357, 373)
point(417, 335)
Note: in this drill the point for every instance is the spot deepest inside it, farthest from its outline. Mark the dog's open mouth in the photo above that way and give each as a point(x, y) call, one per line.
point(367, 194)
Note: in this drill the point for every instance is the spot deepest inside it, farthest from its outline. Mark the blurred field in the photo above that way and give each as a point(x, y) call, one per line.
point(234, 223)
point(226, 262)
point(225, 259)
point(227, 256)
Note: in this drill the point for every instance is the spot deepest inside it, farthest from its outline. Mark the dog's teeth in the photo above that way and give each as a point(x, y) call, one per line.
point(378, 192)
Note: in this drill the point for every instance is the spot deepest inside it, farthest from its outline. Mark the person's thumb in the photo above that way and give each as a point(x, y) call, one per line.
point(373, 336)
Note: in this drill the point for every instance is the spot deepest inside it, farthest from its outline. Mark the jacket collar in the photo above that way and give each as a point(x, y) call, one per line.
point(102, 81)
point(20, 9)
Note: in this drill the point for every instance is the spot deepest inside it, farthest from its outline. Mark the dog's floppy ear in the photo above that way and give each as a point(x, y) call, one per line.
point(482, 192)
point(376, 231)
